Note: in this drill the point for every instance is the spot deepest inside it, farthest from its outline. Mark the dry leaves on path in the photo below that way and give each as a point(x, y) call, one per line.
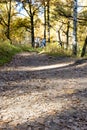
point(40, 92)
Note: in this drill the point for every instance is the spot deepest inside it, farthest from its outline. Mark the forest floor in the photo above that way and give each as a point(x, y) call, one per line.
point(40, 92)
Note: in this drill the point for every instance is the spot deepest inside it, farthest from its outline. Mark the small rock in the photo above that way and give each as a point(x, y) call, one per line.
point(29, 128)
point(75, 128)
point(70, 120)
point(40, 120)
point(47, 128)
point(56, 121)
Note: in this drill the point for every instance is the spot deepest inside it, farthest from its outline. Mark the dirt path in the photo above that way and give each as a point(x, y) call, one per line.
point(39, 92)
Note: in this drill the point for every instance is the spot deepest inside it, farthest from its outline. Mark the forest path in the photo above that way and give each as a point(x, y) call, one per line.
point(40, 92)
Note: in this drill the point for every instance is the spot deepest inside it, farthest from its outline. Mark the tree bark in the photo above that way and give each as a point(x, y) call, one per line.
point(59, 37)
point(75, 28)
point(67, 35)
point(32, 30)
point(44, 20)
point(9, 21)
point(32, 23)
point(48, 19)
point(84, 47)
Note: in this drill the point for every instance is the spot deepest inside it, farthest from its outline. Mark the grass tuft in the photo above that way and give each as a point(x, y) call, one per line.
point(54, 50)
point(7, 51)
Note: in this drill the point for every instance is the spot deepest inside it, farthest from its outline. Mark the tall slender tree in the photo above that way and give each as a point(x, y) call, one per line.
point(48, 19)
point(75, 6)
point(7, 11)
point(67, 34)
point(31, 7)
point(9, 19)
point(44, 19)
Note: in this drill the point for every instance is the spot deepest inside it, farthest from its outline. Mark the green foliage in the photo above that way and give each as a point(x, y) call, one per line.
point(28, 48)
point(7, 51)
point(55, 50)
point(21, 22)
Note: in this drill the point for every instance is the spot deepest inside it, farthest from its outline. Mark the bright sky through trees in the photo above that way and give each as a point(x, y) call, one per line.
point(21, 10)
point(81, 4)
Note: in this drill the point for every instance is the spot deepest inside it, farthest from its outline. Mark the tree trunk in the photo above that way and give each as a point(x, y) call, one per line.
point(75, 28)
point(9, 21)
point(32, 30)
point(32, 22)
point(59, 37)
point(84, 47)
point(67, 35)
point(44, 21)
point(48, 19)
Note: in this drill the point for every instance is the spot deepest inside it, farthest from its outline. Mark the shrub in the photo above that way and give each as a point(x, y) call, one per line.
point(7, 51)
point(55, 50)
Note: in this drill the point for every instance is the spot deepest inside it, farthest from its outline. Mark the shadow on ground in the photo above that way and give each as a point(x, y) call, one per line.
point(73, 118)
point(22, 77)
point(22, 71)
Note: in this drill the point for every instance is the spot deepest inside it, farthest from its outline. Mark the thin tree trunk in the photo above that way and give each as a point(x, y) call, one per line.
point(9, 21)
point(84, 47)
point(32, 23)
point(44, 21)
point(75, 28)
point(32, 30)
point(67, 35)
point(59, 37)
point(48, 19)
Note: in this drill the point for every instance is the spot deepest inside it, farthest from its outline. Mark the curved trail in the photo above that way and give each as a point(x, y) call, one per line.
point(40, 92)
